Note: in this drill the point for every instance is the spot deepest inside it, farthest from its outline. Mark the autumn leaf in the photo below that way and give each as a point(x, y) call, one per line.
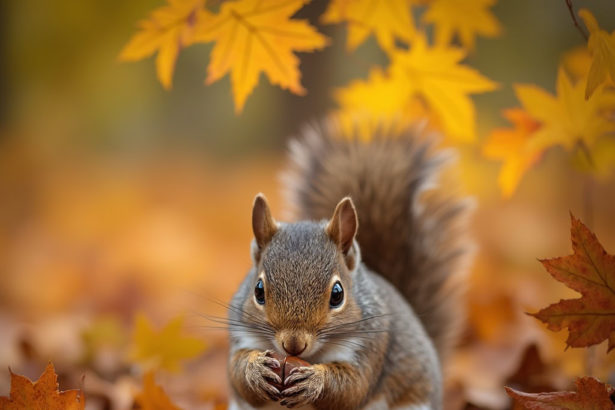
point(41, 394)
point(252, 37)
point(377, 104)
point(153, 396)
point(466, 18)
point(576, 62)
point(168, 30)
point(602, 47)
point(591, 272)
point(590, 394)
point(567, 118)
point(386, 19)
point(436, 75)
point(163, 349)
point(510, 146)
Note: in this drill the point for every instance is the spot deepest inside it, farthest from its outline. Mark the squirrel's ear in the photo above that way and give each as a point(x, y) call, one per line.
point(342, 227)
point(263, 224)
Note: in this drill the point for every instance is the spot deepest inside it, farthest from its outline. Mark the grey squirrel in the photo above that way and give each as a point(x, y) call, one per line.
point(365, 287)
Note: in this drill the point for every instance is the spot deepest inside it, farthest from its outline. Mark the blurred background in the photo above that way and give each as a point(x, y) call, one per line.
point(118, 197)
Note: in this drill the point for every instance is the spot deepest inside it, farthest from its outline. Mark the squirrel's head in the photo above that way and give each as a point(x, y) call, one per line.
point(304, 276)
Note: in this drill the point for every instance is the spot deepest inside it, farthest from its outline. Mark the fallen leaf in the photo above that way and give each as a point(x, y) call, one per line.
point(510, 146)
point(590, 394)
point(386, 19)
point(163, 349)
point(167, 30)
point(466, 18)
point(591, 272)
point(567, 118)
point(435, 74)
point(153, 396)
point(41, 394)
point(602, 47)
point(576, 62)
point(253, 37)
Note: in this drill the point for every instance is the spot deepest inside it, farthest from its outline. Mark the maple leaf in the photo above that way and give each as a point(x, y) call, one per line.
point(590, 394)
point(602, 47)
point(252, 37)
point(165, 348)
point(153, 396)
point(567, 118)
point(591, 272)
point(466, 18)
point(168, 29)
point(510, 145)
point(41, 394)
point(376, 105)
point(386, 19)
point(435, 74)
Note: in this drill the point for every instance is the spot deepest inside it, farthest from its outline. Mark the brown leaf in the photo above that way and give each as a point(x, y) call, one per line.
point(41, 394)
point(590, 271)
point(591, 394)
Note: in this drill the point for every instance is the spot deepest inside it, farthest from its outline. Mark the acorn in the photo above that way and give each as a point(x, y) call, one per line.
point(287, 363)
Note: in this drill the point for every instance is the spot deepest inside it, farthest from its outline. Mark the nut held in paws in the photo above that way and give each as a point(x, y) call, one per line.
point(287, 363)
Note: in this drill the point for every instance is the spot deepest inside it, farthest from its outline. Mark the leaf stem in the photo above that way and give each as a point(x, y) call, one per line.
point(574, 19)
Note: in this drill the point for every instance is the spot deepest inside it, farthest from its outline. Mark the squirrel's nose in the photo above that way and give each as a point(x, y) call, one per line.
point(293, 347)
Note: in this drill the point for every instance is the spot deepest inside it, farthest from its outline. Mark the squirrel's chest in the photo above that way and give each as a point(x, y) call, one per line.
point(235, 405)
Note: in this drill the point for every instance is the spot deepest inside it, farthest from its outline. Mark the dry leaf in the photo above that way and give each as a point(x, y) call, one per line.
point(435, 74)
point(163, 349)
point(591, 272)
point(41, 394)
point(510, 146)
point(591, 394)
point(252, 37)
point(168, 29)
point(153, 396)
point(566, 118)
point(602, 47)
point(386, 19)
point(466, 18)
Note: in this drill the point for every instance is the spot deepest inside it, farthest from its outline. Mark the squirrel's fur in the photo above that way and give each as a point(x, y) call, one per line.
point(382, 346)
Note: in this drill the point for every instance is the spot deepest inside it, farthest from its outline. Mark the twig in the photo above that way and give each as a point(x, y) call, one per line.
point(574, 19)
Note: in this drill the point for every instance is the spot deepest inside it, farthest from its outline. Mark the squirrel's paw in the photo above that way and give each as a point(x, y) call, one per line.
point(307, 384)
point(259, 375)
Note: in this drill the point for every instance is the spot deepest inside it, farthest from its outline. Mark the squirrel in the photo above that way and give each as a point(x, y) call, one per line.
point(365, 287)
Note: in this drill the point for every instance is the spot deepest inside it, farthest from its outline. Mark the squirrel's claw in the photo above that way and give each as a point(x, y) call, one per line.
point(258, 372)
point(308, 386)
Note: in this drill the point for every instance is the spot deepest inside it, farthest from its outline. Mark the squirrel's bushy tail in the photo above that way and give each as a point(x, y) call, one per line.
point(412, 235)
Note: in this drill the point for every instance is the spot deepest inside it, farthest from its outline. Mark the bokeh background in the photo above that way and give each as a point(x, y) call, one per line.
point(118, 197)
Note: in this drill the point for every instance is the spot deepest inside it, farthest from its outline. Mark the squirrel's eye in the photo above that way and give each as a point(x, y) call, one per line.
point(337, 295)
point(259, 292)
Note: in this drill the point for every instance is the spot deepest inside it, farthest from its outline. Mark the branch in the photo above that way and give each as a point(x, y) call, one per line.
point(574, 19)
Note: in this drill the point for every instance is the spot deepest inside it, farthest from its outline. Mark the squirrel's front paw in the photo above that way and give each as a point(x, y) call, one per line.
point(306, 386)
point(259, 375)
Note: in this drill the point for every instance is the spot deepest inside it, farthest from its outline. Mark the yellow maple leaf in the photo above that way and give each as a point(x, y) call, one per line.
point(435, 74)
point(602, 47)
point(163, 349)
point(376, 105)
point(576, 62)
point(168, 29)
point(153, 397)
point(466, 18)
point(386, 19)
point(253, 36)
point(510, 146)
point(567, 118)
point(41, 394)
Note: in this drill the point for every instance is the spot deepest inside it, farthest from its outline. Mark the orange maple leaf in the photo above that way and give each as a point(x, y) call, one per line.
point(153, 396)
point(252, 37)
point(41, 394)
point(510, 145)
point(590, 394)
point(386, 19)
point(168, 29)
point(591, 272)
